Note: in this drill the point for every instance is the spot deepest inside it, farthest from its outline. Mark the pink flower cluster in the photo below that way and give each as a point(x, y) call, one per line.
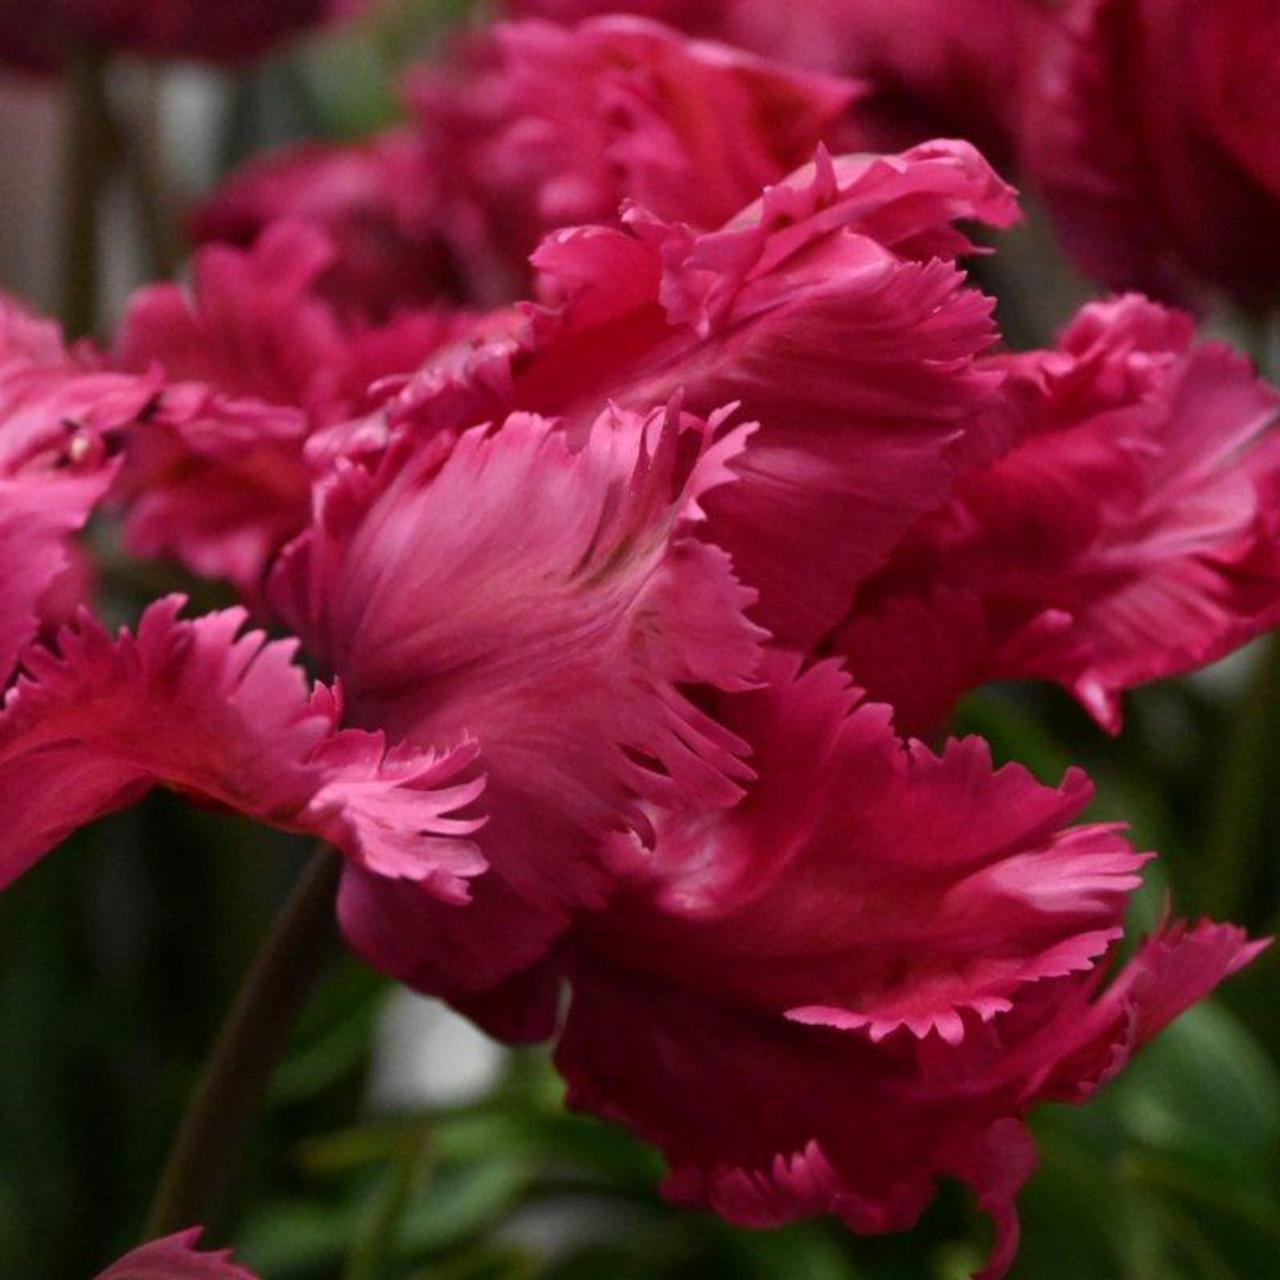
point(1150, 127)
point(646, 601)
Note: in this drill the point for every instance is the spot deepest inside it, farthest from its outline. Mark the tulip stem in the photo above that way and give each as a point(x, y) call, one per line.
point(155, 207)
point(377, 1242)
point(205, 1156)
point(1237, 814)
point(141, 146)
point(89, 157)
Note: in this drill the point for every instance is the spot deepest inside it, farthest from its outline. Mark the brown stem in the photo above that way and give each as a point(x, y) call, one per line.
point(89, 157)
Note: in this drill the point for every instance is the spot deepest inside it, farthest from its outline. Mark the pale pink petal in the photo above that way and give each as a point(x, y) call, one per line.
point(229, 719)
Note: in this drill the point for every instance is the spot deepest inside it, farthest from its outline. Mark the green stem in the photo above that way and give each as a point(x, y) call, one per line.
point(1237, 809)
point(205, 1155)
point(377, 1242)
point(89, 157)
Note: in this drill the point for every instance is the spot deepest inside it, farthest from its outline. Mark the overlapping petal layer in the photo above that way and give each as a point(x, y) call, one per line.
point(528, 127)
point(378, 202)
point(883, 957)
point(831, 310)
point(1130, 535)
point(935, 68)
point(552, 126)
point(61, 421)
point(255, 360)
point(842, 1126)
point(867, 883)
point(229, 719)
point(554, 600)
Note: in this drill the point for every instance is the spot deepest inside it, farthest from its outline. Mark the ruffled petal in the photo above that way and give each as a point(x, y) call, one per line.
point(766, 1121)
point(936, 68)
point(230, 720)
point(1130, 535)
point(870, 885)
point(546, 126)
point(1175, 968)
point(255, 361)
point(563, 611)
point(377, 202)
point(825, 1133)
point(62, 419)
point(832, 312)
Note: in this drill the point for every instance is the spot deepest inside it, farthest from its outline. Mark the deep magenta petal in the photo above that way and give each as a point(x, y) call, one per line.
point(556, 602)
point(229, 719)
point(62, 420)
point(830, 311)
point(256, 361)
point(1129, 535)
point(176, 1258)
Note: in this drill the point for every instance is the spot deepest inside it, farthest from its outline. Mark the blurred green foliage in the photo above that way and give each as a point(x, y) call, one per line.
point(118, 956)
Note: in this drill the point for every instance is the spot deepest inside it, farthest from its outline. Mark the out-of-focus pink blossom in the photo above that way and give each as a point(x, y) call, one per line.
point(554, 600)
point(542, 126)
point(949, 68)
point(95, 721)
point(255, 361)
point(61, 422)
point(1132, 533)
point(832, 310)
point(703, 17)
point(528, 127)
point(1155, 139)
point(36, 35)
point(176, 1258)
point(884, 957)
point(378, 202)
